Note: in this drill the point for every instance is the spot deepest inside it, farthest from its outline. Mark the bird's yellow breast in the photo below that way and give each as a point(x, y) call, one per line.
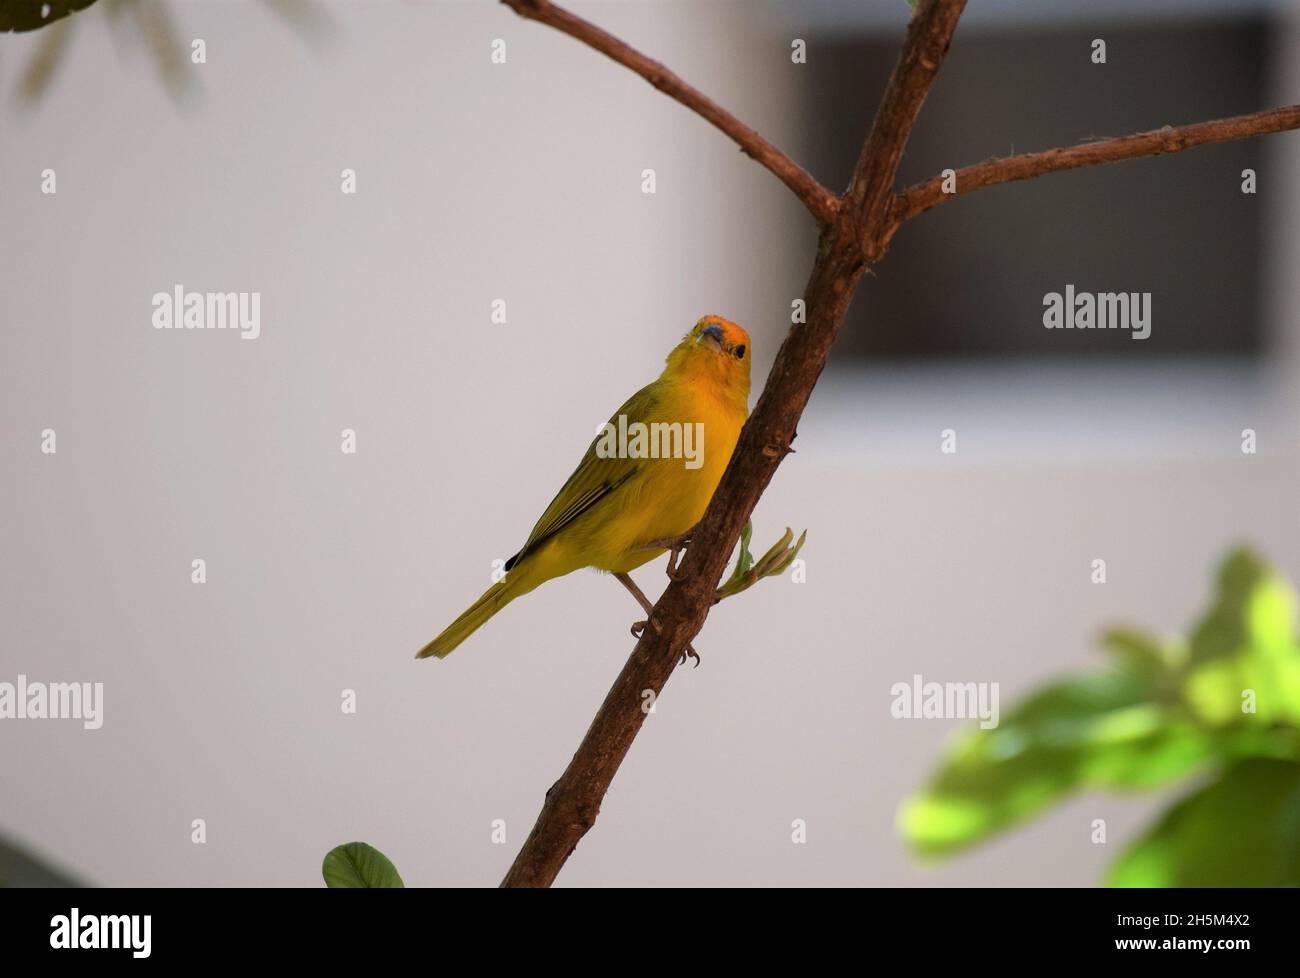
point(673, 496)
point(668, 495)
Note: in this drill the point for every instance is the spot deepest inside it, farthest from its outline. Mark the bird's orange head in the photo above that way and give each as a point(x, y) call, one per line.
point(717, 352)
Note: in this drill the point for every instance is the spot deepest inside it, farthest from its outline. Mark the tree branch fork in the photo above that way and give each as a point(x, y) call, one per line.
point(881, 217)
point(855, 230)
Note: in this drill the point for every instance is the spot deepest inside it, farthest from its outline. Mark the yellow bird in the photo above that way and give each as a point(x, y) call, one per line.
point(644, 482)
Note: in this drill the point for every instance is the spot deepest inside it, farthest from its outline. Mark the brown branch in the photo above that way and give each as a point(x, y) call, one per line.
point(1171, 139)
point(871, 190)
point(855, 230)
point(817, 198)
point(573, 802)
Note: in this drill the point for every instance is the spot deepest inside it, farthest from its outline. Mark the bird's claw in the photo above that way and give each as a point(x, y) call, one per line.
point(671, 570)
point(638, 627)
point(675, 548)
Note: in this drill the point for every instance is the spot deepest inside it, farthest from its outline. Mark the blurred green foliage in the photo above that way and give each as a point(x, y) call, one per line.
point(1223, 704)
point(151, 24)
point(21, 868)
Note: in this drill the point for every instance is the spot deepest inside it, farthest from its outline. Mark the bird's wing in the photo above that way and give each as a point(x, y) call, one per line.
point(592, 481)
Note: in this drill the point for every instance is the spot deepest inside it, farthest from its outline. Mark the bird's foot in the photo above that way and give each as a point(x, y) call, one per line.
point(674, 546)
point(639, 626)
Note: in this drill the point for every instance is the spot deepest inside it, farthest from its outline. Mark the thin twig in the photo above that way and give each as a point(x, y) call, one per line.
point(870, 192)
point(816, 198)
point(1171, 139)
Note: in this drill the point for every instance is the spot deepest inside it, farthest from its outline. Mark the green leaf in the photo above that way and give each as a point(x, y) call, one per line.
point(766, 564)
point(1241, 830)
point(1141, 652)
point(749, 572)
point(358, 865)
point(1245, 660)
point(30, 15)
point(1096, 730)
point(745, 560)
point(783, 562)
point(1233, 623)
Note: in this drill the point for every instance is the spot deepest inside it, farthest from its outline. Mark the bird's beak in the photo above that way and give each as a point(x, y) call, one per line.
point(712, 336)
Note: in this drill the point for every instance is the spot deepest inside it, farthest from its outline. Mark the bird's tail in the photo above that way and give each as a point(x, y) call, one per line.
point(493, 600)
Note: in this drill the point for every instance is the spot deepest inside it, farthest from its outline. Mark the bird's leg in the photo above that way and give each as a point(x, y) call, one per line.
point(674, 546)
point(626, 580)
point(639, 626)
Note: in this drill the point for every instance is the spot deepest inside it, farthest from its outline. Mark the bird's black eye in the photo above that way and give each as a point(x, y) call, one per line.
point(740, 352)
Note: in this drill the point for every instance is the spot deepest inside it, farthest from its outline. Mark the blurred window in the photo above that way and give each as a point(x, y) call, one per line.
point(968, 278)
